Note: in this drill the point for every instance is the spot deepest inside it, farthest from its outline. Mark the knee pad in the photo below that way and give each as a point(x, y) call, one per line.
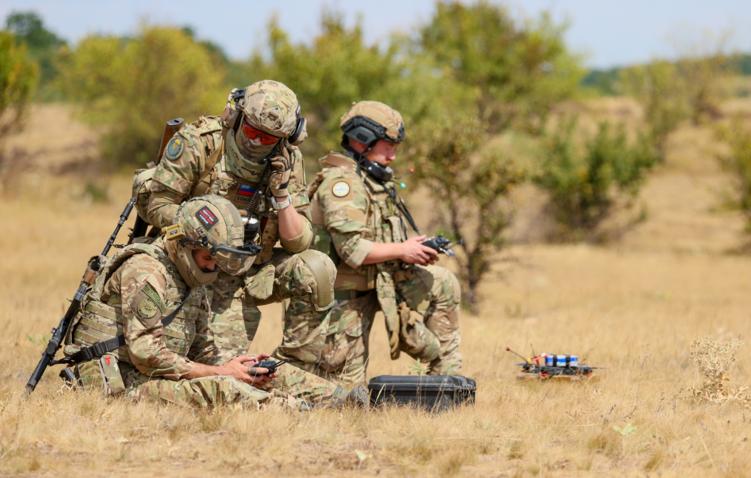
point(324, 273)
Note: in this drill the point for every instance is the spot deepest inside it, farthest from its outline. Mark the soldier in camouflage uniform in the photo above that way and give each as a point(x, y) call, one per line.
point(143, 327)
point(362, 223)
point(250, 157)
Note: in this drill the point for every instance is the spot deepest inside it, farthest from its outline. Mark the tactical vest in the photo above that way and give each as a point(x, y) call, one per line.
point(206, 137)
point(384, 221)
point(101, 318)
point(209, 139)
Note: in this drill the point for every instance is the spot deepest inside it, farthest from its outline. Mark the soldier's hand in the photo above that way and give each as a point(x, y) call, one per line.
point(261, 376)
point(240, 368)
point(414, 252)
point(281, 170)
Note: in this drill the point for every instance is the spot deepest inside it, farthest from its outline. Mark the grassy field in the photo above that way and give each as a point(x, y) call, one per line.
point(634, 306)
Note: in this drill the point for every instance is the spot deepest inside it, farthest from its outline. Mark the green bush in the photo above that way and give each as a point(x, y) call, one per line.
point(585, 179)
point(18, 79)
point(43, 45)
point(130, 87)
point(737, 161)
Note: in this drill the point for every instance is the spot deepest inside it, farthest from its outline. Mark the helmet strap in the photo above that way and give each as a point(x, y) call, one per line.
point(379, 172)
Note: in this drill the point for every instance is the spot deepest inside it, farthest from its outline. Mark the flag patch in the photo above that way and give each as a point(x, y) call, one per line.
point(207, 217)
point(246, 190)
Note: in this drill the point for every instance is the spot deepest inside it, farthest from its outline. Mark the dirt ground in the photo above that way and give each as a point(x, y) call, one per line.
point(633, 306)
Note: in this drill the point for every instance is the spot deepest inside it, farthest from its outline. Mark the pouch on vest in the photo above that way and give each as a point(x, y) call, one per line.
point(141, 190)
point(260, 285)
point(110, 370)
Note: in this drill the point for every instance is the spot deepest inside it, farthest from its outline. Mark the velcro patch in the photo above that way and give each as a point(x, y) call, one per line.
point(207, 218)
point(340, 189)
point(148, 305)
point(174, 148)
point(246, 190)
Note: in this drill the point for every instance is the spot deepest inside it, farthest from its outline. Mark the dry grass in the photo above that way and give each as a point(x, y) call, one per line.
point(634, 307)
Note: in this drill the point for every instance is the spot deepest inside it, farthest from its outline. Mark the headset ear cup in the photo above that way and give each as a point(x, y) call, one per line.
point(363, 135)
point(300, 132)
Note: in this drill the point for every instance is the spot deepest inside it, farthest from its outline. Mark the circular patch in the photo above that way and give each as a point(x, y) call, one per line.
point(146, 309)
point(340, 189)
point(174, 148)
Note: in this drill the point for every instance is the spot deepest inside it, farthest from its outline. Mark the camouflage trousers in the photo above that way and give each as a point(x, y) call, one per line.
point(235, 316)
point(292, 388)
point(429, 330)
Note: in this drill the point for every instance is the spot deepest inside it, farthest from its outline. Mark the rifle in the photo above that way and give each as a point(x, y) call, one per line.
point(59, 332)
point(170, 128)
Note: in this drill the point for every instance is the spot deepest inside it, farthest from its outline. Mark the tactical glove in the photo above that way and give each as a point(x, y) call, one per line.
point(281, 170)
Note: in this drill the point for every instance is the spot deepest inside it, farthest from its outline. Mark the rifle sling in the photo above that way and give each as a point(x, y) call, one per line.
point(104, 347)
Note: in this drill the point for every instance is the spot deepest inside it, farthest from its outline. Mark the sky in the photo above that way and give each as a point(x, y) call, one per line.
point(606, 32)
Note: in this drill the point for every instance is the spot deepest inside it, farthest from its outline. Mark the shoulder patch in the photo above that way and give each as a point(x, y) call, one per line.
point(148, 305)
point(174, 148)
point(340, 189)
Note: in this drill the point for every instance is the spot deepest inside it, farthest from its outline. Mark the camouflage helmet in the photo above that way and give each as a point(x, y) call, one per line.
point(272, 107)
point(213, 223)
point(369, 121)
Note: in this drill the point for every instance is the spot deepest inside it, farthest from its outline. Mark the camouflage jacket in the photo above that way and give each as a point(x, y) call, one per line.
point(186, 171)
point(350, 211)
point(133, 292)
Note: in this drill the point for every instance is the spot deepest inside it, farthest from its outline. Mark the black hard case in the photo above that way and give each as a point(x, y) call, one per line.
point(431, 392)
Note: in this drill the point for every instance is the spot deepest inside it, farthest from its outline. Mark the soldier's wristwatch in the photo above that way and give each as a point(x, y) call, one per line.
point(279, 205)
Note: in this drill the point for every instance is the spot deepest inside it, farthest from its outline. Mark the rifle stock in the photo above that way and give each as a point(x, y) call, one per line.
point(170, 128)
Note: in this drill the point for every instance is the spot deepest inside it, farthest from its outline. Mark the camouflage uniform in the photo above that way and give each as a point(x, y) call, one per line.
point(131, 295)
point(350, 211)
point(204, 158)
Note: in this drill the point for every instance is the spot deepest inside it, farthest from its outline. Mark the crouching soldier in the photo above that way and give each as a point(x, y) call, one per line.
point(361, 222)
point(143, 328)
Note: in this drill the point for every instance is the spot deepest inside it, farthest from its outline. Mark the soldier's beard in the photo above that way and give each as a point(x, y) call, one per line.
point(251, 150)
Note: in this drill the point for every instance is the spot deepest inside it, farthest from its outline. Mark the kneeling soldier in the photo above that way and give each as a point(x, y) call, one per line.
point(144, 329)
point(361, 222)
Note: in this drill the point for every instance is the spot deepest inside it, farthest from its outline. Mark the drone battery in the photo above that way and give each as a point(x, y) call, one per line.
point(561, 361)
point(573, 361)
point(431, 392)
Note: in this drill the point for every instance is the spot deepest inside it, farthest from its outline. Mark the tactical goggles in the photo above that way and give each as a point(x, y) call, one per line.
point(256, 135)
point(234, 261)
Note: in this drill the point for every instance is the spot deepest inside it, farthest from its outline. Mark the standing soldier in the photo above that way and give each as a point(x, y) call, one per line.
point(249, 156)
point(360, 220)
point(143, 327)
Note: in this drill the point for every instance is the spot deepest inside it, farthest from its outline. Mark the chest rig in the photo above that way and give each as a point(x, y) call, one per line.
point(248, 195)
point(99, 327)
point(387, 220)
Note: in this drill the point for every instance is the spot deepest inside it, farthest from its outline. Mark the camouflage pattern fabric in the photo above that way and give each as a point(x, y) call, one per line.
point(136, 288)
point(235, 300)
point(271, 106)
point(185, 176)
point(350, 211)
point(132, 294)
point(235, 314)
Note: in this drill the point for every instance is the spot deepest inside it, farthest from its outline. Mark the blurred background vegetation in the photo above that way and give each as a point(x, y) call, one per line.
point(491, 102)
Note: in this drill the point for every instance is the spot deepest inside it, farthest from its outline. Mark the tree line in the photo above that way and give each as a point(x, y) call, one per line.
point(480, 91)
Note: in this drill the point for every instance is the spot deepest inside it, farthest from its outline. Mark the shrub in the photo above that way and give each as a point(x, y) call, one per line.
point(584, 181)
point(737, 162)
point(130, 87)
